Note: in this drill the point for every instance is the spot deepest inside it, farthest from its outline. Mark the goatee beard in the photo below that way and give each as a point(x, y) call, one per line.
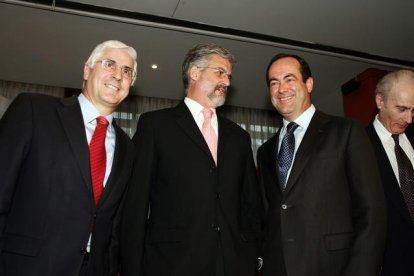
point(216, 99)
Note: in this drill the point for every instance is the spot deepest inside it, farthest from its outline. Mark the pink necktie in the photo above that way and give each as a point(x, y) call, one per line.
point(97, 154)
point(208, 132)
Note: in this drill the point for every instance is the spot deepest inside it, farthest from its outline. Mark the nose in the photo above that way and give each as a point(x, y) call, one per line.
point(409, 118)
point(227, 80)
point(118, 73)
point(283, 86)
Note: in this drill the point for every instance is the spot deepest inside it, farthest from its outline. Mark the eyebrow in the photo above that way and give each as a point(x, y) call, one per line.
point(284, 77)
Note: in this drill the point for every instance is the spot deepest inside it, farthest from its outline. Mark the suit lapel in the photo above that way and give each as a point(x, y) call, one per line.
point(389, 181)
point(270, 158)
point(224, 132)
point(312, 139)
point(117, 164)
point(186, 121)
point(72, 122)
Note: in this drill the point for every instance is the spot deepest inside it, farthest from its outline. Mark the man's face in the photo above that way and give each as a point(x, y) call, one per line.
point(397, 111)
point(105, 89)
point(288, 93)
point(211, 82)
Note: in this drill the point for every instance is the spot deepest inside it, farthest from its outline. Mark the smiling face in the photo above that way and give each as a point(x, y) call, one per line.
point(396, 111)
point(104, 89)
point(289, 94)
point(209, 84)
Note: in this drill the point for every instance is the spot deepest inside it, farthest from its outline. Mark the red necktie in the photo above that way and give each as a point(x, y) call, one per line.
point(97, 154)
point(208, 132)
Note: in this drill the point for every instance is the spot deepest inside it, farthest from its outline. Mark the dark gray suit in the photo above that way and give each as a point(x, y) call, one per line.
point(196, 209)
point(399, 250)
point(330, 221)
point(47, 210)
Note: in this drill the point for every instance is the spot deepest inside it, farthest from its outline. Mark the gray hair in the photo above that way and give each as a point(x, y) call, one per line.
point(200, 55)
point(115, 44)
point(387, 82)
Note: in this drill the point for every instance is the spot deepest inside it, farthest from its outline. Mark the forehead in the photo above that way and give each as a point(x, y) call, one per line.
point(218, 61)
point(121, 56)
point(403, 90)
point(285, 66)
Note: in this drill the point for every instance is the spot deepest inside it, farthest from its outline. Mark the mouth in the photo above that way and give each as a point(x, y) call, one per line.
point(111, 86)
point(222, 91)
point(285, 98)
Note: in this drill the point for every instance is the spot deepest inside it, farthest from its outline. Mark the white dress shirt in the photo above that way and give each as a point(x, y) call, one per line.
point(388, 144)
point(303, 122)
point(196, 110)
point(89, 114)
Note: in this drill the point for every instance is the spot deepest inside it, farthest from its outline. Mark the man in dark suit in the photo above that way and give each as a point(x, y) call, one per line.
point(328, 217)
point(52, 222)
point(395, 102)
point(204, 203)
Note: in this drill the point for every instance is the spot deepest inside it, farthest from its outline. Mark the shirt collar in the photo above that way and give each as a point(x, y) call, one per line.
point(382, 132)
point(195, 107)
point(304, 119)
point(89, 111)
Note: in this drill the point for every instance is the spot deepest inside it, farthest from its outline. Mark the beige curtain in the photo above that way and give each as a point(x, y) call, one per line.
point(260, 124)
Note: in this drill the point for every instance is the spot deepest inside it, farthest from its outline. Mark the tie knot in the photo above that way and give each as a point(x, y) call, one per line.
point(101, 120)
point(207, 113)
point(396, 138)
point(291, 127)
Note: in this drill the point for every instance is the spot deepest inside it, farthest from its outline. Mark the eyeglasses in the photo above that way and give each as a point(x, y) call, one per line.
point(111, 66)
point(220, 72)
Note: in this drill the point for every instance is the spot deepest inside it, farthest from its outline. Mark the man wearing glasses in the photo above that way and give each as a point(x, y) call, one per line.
point(64, 164)
point(194, 183)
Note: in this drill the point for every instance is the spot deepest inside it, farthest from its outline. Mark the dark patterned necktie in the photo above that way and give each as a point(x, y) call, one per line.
point(287, 149)
point(97, 156)
point(406, 175)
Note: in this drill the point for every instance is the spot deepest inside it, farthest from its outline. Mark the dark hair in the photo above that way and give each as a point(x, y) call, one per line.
point(199, 55)
point(304, 66)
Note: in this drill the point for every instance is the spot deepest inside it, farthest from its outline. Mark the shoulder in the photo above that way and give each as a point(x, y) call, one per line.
point(337, 122)
point(160, 113)
point(34, 103)
point(268, 144)
point(231, 126)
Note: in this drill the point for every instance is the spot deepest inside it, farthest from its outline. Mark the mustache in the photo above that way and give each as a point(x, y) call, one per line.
point(221, 87)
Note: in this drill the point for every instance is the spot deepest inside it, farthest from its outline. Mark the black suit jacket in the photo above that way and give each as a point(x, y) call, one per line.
point(47, 210)
point(330, 221)
point(194, 206)
point(399, 250)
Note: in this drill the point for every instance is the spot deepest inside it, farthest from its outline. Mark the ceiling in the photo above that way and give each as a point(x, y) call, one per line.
point(47, 42)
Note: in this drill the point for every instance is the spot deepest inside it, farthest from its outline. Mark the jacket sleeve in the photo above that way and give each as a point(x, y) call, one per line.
point(15, 135)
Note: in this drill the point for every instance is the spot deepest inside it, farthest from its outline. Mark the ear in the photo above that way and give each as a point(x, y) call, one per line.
point(194, 72)
point(309, 84)
point(379, 100)
point(86, 72)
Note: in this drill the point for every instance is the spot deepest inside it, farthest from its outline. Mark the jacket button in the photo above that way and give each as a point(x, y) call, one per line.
point(215, 227)
point(284, 206)
point(217, 195)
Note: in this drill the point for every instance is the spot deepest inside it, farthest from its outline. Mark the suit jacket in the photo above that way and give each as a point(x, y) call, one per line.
point(47, 210)
point(331, 218)
point(399, 250)
point(194, 207)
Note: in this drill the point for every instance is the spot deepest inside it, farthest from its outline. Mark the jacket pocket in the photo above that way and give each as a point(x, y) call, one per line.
point(338, 241)
point(21, 245)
